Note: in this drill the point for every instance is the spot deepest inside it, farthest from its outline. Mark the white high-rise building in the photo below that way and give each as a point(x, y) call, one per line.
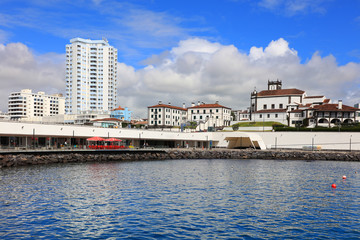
point(91, 69)
point(28, 106)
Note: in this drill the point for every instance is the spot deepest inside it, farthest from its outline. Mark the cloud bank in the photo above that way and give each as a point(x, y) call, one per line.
point(194, 70)
point(21, 69)
point(199, 70)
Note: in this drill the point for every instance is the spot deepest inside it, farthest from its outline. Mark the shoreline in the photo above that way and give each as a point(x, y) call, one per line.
point(13, 159)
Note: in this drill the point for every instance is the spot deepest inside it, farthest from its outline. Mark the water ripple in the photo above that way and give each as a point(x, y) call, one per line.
point(183, 199)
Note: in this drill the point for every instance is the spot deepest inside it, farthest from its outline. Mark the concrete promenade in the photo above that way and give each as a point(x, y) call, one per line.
point(49, 136)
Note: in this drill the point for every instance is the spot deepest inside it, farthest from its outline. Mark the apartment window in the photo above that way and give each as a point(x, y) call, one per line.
point(265, 107)
point(272, 106)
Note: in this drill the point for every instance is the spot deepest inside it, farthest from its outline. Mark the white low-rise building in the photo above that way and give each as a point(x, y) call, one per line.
point(290, 107)
point(28, 106)
point(211, 115)
point(166, 115)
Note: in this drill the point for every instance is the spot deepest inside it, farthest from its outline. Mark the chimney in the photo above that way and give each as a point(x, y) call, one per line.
point(198, 103)
point(169, 103)
point(217, 102)
point(340, 104)
point(160, 102)
point(193, 104)
point(184, 105)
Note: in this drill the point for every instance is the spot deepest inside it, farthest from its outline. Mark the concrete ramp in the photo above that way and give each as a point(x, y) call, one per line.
point(246, 140)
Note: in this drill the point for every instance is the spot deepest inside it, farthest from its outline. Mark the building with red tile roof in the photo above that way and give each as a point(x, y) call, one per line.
point(166, 116)
point(292, 107)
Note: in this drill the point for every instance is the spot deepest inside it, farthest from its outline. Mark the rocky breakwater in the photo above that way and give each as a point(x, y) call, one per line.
point(22, 159)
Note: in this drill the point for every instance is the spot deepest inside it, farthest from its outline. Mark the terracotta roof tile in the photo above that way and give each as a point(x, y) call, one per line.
point(119, 108)
point(168, 106)
point(209, 106)
point(141, 123)
point(281, 92)
point(334, 108)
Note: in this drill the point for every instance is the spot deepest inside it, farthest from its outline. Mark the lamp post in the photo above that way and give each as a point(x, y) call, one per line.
point(312, 143)
point(275, 142)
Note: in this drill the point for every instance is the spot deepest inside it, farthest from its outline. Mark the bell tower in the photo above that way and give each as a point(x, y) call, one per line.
point(274, 85)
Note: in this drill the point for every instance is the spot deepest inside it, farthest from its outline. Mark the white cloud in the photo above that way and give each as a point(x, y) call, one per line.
point(294, 7)
point(199, 70)
point(194, 70)
point(20, 69)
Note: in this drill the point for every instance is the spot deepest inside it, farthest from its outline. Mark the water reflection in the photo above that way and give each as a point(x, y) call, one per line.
point(181, 199)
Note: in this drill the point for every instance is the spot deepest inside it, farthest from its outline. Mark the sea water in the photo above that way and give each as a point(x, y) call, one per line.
point(182, 199)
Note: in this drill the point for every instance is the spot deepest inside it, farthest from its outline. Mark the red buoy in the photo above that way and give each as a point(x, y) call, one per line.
point(333, 185)
point(344, 177)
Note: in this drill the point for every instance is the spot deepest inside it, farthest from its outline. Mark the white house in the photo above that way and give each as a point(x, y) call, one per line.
point(166, 115)
point(212, 115)
point(287, 106)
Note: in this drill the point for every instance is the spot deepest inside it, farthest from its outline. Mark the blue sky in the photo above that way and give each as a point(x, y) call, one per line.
point(322, 34)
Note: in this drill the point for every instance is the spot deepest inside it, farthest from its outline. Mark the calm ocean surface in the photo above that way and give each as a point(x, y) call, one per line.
point(182, 199)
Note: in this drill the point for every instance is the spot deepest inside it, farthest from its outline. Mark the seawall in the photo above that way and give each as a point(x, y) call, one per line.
point(36, 158)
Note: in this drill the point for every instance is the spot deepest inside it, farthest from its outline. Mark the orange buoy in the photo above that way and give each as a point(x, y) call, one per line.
point(344, 177)
point(333, 185)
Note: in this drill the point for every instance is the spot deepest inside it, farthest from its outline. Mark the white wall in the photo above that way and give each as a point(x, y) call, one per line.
point(327, 140)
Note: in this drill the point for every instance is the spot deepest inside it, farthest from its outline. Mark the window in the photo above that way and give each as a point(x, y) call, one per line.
point(260, 116)
point(265, 107)
point(194, 117)
point(272, 106)
point(280, 105)
point(200, 117)
point(217, 110)
point(276, 115)
point(204, 111)
point(268, 116)
point(192, 111)
point(198, 111)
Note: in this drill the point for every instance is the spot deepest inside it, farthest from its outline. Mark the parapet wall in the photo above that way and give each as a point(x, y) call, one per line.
point(22, 159)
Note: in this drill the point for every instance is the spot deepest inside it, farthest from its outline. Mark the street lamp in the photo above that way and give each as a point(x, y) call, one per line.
point(312, 143)
point(350, 142)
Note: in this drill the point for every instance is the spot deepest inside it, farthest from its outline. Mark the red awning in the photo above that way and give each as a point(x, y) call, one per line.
point(113, 140)
point(96, 139)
